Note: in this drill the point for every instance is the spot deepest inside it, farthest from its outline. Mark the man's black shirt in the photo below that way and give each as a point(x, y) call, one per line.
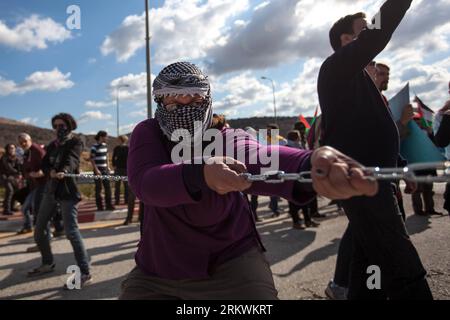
point(120, 156)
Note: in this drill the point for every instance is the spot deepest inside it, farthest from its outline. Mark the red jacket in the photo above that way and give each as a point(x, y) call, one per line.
point(32, 162)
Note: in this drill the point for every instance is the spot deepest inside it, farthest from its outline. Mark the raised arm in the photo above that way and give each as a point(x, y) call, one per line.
point(351, 59)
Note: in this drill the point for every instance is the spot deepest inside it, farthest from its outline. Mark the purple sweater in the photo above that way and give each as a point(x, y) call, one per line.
point(187, 236)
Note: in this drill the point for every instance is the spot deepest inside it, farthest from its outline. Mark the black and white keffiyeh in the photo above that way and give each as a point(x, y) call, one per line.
point(182, 78)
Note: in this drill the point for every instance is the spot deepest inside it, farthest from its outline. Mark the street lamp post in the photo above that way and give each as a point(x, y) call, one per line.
point(148, 63)
point(274, 101)
point(117, 100)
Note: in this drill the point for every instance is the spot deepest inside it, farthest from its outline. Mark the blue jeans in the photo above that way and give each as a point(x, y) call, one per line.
point(27, 209)
point(69, 212)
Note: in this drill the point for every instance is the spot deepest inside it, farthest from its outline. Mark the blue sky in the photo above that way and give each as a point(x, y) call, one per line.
point(236, 42)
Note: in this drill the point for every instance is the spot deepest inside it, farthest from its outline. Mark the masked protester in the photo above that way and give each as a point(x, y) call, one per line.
point(62, 157)
point(199, 239)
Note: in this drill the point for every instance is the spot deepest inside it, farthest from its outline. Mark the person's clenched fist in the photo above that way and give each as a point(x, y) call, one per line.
point(339, 177)
point(222, 175)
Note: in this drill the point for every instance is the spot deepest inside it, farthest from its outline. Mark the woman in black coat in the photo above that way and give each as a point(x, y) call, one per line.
point(62, 157)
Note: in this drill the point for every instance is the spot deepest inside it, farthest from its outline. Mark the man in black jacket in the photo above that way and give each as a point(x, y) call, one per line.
point(442, 140)
point(119, 162)
point(442, 136)
point(62, 157)
point(353, 113)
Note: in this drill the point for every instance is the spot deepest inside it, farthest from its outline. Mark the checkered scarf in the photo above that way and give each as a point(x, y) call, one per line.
point(182, 78)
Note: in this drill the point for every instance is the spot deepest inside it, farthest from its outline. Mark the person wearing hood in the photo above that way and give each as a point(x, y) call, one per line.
point(199, 237)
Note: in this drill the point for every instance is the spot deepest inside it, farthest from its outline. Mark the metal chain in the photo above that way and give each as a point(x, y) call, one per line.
point(384, 174)
point(95, 177)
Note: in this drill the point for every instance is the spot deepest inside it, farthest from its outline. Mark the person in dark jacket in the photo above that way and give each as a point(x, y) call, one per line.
point(423, 196)
point(442, 136)
point(62, 157)
point(353, 112)
point(10, 171)
point(100, 164)
point(199, 237)
point(119, 162)
point(442, 140)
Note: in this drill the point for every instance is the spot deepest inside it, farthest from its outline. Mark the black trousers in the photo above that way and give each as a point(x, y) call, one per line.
point(120, 172)
point(98, 192)
point(131, 202)
point(253, 205)
point(314, 206)
point(399, 196)
point(306, 209)
point(447, 198)
point(425, 191)
point(344, 259)
point(379, 238)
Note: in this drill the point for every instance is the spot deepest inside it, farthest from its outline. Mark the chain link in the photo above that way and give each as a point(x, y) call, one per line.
point(95, 177)
point(275, 177)
point(383, 174)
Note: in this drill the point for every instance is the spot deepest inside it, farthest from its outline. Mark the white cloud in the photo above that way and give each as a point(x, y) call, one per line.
point(136, 90)
point(29, 120)
point(33, 33)
point(300, 95)
point(180, 29)
point(127, 39)
point(295, 97)
point(261, 5)
point(142, 113)
point(279, 32)
point(93, 115)
point(241, 91)
point(429, 81)
point(99, 104)
point(52, 81)
point(128, 128)
point(229, 37)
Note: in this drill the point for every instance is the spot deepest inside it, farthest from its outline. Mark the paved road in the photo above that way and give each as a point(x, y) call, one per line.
point(302, 261)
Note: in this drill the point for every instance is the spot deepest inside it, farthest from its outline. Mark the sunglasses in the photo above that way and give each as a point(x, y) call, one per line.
point(174, 106)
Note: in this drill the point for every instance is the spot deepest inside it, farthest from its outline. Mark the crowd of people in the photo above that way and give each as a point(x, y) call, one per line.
point(198, 221)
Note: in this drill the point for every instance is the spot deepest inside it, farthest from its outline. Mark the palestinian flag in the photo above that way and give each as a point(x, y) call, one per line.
point(426, 114)
point(305, 122)
point(313, 120)
point(311, 133)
